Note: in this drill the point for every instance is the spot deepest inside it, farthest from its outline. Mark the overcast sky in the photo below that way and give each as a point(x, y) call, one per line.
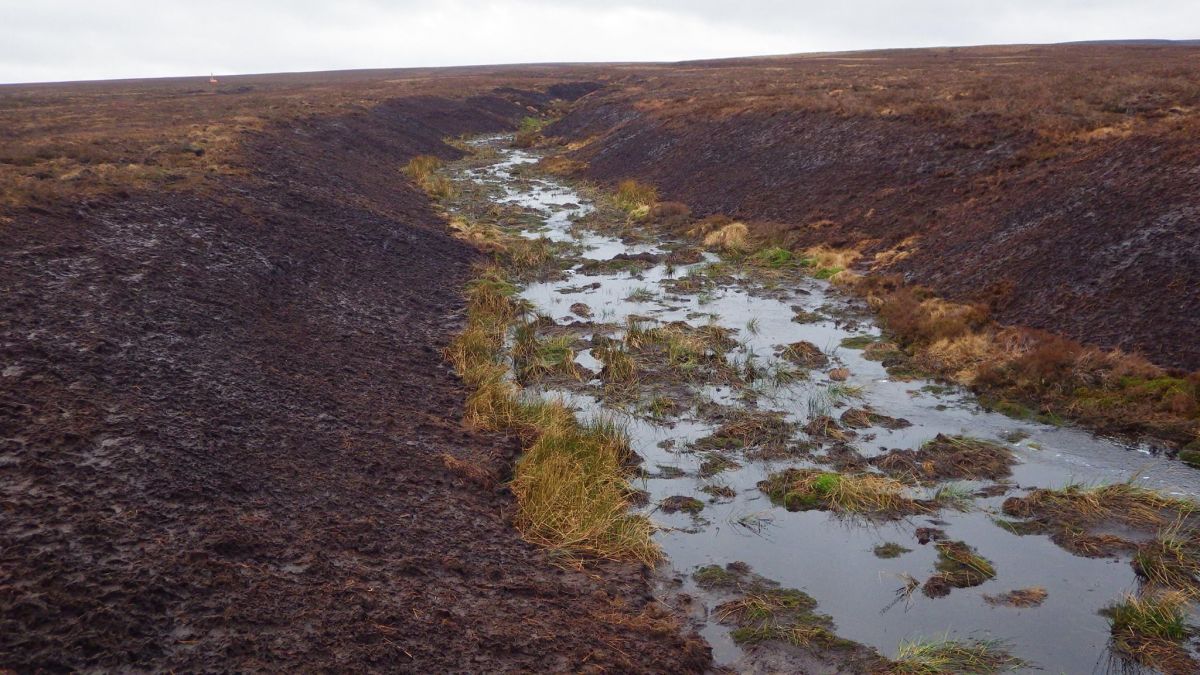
point(51, 40)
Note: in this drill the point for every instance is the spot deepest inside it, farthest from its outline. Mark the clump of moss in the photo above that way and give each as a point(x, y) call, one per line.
point(859, 341)
point(859, 493)
point(890, 550)
point(681, 503)
point(783, 614)
point(1190, 457)
point(715, 576)
point(750, 428)
point(949, 458)
point(776, 258)
point(714, 464)
point(1021, 597)
point(805, 354)
point(958, 566)
point(719, 491)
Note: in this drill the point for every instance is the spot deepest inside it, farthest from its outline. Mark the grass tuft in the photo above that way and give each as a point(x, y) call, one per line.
point(423, 171)
point(570, 484)
point(862, 493)
point(633, 196)
point(943, 655)
point(1150, 630)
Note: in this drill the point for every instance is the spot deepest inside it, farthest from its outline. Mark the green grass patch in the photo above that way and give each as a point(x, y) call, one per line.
point(858, 341)
point(571, 482)
point(860, 493)
point(943, 655)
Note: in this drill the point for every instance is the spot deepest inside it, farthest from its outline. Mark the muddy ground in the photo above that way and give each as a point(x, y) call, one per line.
point(225, 428)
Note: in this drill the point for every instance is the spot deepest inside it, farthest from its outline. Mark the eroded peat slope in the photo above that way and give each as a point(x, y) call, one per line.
point(226, 431)
point(1058, 185)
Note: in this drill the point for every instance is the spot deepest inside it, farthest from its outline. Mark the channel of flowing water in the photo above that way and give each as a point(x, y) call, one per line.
point(830, 558)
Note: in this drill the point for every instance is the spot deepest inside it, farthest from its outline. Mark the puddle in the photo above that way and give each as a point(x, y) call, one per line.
point(830, 558)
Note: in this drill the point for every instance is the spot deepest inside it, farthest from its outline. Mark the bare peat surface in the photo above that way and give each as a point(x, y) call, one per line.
point(226, 427)
point(749, 421)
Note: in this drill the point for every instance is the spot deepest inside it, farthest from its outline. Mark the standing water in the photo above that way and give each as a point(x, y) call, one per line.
point(872, 597)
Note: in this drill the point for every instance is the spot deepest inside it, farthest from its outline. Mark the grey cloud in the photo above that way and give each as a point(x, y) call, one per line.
point(79, 39)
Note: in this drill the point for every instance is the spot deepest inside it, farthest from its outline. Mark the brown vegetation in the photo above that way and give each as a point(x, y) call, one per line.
point(949, 458)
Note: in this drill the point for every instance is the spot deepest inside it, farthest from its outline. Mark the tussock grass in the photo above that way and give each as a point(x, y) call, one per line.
point(642, 294)
point(1150, 630)
point(861, 493)
point(949, 457)
point(632, 196)
point(942, 655)
point(535, 358)
point(826, 258)
point(1071, 515)
point(732, 237)
point(619, 365)
point(1082, 504)
point(571, 489)
point(954, 497)
point(806, 354)
point(423, 171)
point(1172, 559)
point(485, 236)
point(570, 484)
point(1036, 372)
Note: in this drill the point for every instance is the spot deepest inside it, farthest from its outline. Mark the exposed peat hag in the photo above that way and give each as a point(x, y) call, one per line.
point(1036, 242)
point(732, 404)
point(1054, 183)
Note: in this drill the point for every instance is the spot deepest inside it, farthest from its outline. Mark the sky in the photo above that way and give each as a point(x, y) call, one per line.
point(56, 40)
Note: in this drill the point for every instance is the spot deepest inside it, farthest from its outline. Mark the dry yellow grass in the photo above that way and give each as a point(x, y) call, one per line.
point(571, 483)
point(732, 237)
point(960, 356)
point(824, 257)
point(485, 236)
